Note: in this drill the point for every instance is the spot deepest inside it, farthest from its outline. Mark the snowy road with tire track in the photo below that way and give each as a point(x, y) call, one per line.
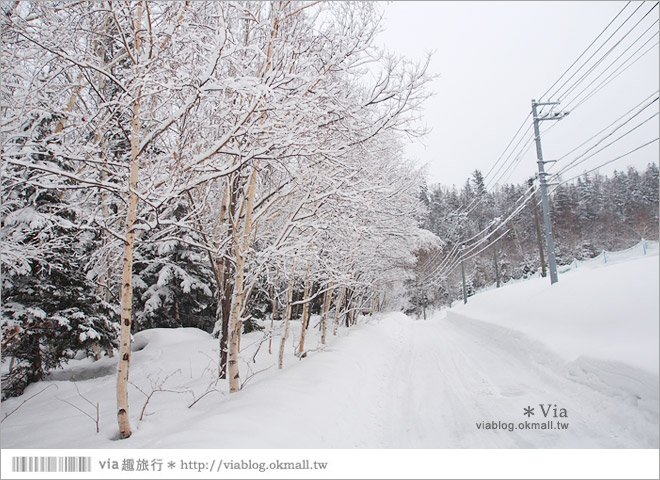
point(391, 381)
point(455, 372)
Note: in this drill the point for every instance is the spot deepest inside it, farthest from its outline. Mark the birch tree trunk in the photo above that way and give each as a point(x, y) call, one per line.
point(305, 314)
point(326, 310)
point(340, 300)
point(226, 289)
point(347, 310)
point(238, 297)
point(359, 308)
point(273, 294)
point(127, 273)
point(287, 320)
point(127, 286)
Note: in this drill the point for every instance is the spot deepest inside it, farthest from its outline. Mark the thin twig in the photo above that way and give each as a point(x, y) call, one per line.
point(253, 374)
point(156, 386)
point(95, 420)
point(208, 390)
point(95, 406)
point(263, 340)
point(26, 400)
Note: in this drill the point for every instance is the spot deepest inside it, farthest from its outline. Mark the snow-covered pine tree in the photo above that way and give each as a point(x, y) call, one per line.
point(591, 214)
point(173, 280)
point(50, 309)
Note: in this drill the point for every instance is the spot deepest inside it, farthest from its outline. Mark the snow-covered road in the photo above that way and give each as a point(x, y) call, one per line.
point(401, 383)
point(451, 373)
point(461, 379)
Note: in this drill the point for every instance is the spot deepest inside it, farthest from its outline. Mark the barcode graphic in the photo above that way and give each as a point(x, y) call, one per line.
point(51, 464)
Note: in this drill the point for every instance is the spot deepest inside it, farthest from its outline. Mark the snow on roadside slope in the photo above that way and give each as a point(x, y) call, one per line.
point(390, 382)
point(610, 312)
point(328, 392)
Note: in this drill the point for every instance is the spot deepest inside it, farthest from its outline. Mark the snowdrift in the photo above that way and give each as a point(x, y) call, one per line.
point(602, 311)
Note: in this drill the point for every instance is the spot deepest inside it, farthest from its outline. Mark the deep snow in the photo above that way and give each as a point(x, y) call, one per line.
point(588, 345)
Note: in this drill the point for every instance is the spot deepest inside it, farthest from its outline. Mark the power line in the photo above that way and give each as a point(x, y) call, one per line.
point(585, 51)
point(530, 192)
point(527, 136)
point(606, 54)
point(466, 210)
point(608, 80)
point(614, 74)
point(464, 259)
point(609, 161)
point(520, 152)
point(477, 201)
point(615, 121)
point(443, 263)
point(582, 157)
point(453, 252)
point(516, 162)
point(507, 147)
point(556, 94)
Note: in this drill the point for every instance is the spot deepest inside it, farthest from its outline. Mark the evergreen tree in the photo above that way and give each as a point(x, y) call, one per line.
point(173, 280)
point(593, 214)
point(50, 309)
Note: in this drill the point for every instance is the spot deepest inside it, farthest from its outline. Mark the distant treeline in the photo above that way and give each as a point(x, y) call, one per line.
point(591, 214)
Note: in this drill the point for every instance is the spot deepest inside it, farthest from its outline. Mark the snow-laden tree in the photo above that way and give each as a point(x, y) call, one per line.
point(270, 127)
point(50, 308)
point(303, 114)
point(132, 74)
point(173, 281)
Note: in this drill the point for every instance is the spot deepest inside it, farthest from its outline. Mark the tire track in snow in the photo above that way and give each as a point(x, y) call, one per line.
point(521, 372)
point(391, 395)
point(450, 373)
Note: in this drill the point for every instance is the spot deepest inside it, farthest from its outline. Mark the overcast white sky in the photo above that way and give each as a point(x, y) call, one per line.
point(492, 58)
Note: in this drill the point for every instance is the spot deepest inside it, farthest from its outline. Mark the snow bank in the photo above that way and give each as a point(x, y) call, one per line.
point(189, 408)
point(607, 311)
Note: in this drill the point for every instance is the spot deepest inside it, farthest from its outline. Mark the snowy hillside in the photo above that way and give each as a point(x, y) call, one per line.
point(583, 352)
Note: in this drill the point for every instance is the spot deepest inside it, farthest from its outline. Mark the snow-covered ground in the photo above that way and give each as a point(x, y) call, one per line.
point(584, 351)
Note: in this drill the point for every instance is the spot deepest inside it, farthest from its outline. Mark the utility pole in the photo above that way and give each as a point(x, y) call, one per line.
point(495, 260)
point(449, 291)
point(463, 274)
point(545, 203)
point(537, 223)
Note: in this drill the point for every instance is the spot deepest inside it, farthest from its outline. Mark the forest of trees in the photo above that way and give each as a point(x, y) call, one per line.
point(589, 215)
point(203, 164)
